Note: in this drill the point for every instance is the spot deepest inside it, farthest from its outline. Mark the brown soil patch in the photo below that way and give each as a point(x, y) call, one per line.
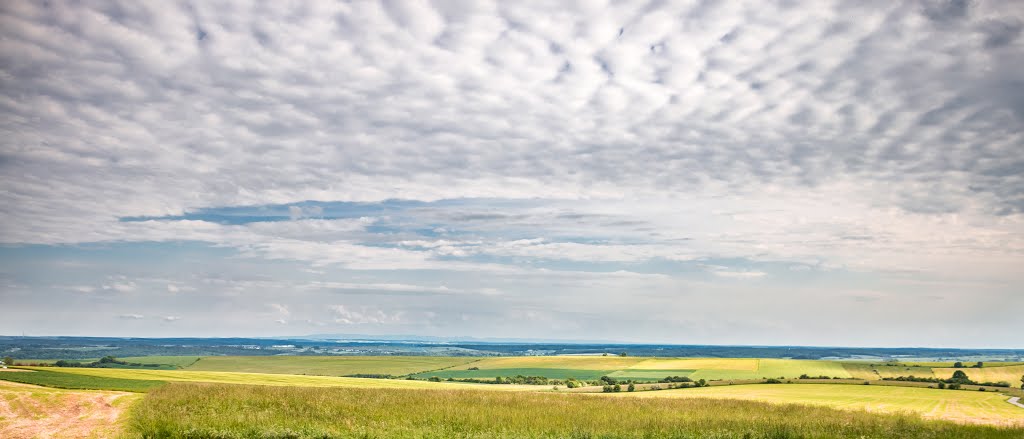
point(28, 411)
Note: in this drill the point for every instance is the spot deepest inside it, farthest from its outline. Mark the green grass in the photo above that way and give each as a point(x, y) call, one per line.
point(957, 405)
point(328, 366)
point(181, 410)
point(50, 378)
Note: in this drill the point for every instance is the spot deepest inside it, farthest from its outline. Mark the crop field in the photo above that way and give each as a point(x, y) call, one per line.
point(204, 410)
point(878, 371)
point(61, 380)
point(747, 364)
point(642, 369)
point(553, 373)
point(956, 405)
point(328, 366)
point(1010, 374)
point(268, 379)
point(170, 360)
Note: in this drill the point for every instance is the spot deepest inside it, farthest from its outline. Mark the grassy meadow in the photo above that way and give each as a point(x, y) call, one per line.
point(222, 411)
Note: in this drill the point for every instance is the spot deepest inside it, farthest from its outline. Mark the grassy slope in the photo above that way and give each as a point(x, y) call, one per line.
point(181, 409)
point(276, 379)
point(329, 366)
point(967, 406)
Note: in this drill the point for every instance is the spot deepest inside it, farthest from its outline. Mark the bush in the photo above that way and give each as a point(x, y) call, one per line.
point(631, 388)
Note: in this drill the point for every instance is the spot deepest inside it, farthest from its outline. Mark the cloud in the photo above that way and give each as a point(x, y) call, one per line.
point(131, 316)
point(563, 152)
point(171, 318)
point(347, 316)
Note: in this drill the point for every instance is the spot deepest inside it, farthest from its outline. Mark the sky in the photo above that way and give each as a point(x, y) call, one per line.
point(839, 173)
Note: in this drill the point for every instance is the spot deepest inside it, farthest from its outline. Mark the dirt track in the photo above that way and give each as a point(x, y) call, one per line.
point(28, 411)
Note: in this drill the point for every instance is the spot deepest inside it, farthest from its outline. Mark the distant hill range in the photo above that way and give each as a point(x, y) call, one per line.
point(72, 348)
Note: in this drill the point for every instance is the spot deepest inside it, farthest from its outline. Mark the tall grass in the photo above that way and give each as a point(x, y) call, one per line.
point(193, 410)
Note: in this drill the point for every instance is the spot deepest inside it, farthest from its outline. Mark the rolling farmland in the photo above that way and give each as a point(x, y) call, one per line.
point(233, 373)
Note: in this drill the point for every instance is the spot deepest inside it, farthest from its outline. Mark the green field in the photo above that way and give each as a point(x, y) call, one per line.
point(957, 405)
point(198, 410)
point(53, 378)
point(328, 366)
point(269, 379)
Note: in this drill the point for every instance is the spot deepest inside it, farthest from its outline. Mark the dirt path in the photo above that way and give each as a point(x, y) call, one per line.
point(1015, 401)
point(28, 411)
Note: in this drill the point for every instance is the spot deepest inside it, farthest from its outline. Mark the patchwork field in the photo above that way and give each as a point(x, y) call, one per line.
point(266, 379)
point(328, 366)
point(198, 410)
point(961, 406)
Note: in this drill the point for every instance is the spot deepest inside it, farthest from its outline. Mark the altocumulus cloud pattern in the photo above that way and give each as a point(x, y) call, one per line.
point(452, 167)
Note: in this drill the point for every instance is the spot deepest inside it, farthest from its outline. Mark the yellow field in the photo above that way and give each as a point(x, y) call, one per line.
point(1010, 374)
point(750, 364)
point(554, 362)
point(954, 405)
point(272, 379)
point(329, 366)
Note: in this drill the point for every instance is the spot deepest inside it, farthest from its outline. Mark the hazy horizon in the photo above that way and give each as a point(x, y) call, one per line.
point(762, 173)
